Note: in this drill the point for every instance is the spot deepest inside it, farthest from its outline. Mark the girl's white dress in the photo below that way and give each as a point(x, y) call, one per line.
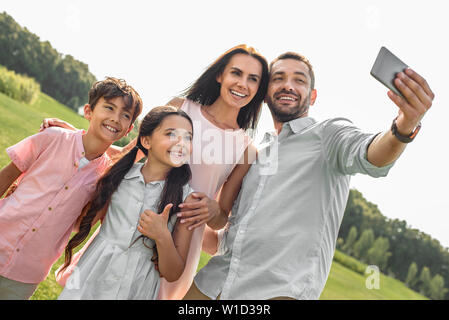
point(114, 266)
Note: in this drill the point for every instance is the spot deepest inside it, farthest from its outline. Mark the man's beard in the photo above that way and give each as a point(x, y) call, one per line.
point(285, 114)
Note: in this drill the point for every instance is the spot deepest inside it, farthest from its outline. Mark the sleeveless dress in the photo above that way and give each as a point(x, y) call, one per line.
point(117, 264)
point(215, 153)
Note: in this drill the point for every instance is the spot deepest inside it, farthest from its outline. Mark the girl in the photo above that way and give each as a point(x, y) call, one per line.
point(117, 264)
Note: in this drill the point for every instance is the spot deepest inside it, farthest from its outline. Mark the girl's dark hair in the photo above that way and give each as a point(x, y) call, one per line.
point(108, 184)
point(205, 90)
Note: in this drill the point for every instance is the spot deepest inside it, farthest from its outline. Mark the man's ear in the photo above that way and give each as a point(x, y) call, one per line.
point(87, 111)
point(313, 95)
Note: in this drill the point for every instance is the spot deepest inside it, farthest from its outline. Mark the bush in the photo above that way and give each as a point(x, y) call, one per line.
point(18, 87)
point(349, 262)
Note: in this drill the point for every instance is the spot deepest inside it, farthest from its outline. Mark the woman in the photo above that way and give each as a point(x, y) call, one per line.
point(223, 103)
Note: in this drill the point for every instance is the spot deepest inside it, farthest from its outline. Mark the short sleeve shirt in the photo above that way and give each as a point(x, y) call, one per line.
point(37, 219)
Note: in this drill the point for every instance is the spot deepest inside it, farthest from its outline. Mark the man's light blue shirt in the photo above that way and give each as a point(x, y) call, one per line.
point(281, 235)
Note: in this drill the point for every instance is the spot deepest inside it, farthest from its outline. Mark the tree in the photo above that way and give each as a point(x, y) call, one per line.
point(350, 240)
point(412, 273)
point(424, 281)
point(62, 77)
point(362, 246)
point(437, 290)
point(378, 254)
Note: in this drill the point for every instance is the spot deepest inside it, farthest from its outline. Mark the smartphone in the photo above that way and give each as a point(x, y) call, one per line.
point(385, 68)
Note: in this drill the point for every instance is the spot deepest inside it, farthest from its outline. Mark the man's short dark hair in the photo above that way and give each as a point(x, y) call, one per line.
point(299, 57)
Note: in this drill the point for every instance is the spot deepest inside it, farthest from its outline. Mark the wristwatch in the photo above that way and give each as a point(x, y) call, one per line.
point(404, 139)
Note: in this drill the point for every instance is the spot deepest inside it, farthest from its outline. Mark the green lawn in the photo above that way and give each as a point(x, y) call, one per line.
point(18, 121)
point(345, 284)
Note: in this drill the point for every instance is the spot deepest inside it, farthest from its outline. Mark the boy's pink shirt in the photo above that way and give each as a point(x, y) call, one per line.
point(37, 219)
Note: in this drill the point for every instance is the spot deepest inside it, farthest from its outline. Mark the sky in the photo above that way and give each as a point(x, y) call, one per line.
point(161, 47)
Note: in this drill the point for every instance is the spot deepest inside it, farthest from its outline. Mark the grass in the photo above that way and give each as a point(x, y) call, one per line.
point(345, 284)
point(20, 120)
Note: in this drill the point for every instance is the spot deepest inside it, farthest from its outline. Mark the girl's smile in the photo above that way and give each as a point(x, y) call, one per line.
point(170, 145)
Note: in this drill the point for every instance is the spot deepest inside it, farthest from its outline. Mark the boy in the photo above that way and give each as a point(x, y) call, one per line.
point(58, 170)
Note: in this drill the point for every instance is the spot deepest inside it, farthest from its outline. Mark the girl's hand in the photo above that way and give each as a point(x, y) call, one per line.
point(153, 225)
point(55, 122)
point(199, 212)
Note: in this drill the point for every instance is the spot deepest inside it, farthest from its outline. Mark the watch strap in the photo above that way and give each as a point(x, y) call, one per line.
point(404, 139)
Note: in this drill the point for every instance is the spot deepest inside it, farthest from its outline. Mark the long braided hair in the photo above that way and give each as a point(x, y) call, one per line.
point(108, 184)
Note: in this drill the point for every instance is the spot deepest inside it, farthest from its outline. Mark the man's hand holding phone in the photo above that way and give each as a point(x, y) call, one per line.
point(408, 90)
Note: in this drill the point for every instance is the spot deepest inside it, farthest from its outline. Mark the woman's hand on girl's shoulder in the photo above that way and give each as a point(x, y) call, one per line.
point(55, 122)
point(198, 210)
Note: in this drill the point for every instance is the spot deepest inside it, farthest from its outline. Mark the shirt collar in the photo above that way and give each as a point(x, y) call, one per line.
point(135, 172)
point(299, 124)
point(295, 126)
point(81, 153)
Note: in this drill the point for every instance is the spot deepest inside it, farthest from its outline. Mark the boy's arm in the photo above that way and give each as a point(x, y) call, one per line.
point(8, 175)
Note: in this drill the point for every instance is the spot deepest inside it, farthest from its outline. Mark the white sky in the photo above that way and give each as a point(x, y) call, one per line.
point(161, 47)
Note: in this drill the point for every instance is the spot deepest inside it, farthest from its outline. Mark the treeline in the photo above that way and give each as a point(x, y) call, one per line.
point(62, 77)
point(399, 251)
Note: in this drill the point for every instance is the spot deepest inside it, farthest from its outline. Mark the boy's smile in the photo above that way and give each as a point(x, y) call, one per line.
point(110, 120)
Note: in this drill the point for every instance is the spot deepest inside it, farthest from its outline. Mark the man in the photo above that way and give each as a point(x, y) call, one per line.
point(281, 236)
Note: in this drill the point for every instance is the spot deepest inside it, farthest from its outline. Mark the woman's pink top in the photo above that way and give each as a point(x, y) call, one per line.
point(215, 154)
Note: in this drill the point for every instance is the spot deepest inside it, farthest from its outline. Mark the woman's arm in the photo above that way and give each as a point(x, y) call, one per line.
point(55, 122)
point(8, 175)
point(214, 213)
point(176, 102)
